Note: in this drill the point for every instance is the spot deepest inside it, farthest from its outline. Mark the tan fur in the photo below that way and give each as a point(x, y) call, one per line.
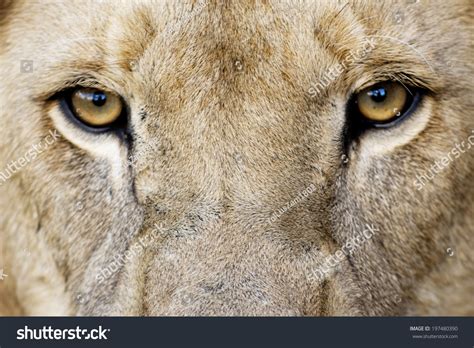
point(225, 133)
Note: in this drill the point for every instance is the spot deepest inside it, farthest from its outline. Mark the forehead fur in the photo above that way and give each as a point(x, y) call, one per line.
point(155, 32)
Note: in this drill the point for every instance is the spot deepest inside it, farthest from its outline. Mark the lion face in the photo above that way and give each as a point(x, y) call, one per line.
point(250, 158)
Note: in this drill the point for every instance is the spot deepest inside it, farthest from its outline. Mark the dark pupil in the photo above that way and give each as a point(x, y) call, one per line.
point(99, 98)
point(378, 94)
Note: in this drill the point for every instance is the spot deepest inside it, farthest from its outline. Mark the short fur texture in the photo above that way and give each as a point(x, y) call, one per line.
point(223, 134)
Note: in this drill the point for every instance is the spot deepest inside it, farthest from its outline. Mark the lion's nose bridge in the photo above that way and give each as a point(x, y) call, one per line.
point(238, 204)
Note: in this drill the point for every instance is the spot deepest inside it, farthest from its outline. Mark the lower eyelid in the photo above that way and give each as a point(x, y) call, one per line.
point(381, 141)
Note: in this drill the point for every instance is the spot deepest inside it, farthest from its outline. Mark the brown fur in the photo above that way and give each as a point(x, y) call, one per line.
point(225, 133)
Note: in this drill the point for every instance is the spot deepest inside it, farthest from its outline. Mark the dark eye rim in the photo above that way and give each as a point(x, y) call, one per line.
point(356, 124)
point(65, 103)
point(413, 100)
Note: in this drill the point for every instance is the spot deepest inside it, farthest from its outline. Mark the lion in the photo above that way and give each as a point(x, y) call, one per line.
point(236, 158)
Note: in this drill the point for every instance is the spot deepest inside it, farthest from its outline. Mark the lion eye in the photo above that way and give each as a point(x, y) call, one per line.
point(95, 108)
point(383, 103)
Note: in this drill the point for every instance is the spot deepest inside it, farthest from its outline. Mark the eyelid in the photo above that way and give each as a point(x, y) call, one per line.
point(60, 89)
point(411, 82)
